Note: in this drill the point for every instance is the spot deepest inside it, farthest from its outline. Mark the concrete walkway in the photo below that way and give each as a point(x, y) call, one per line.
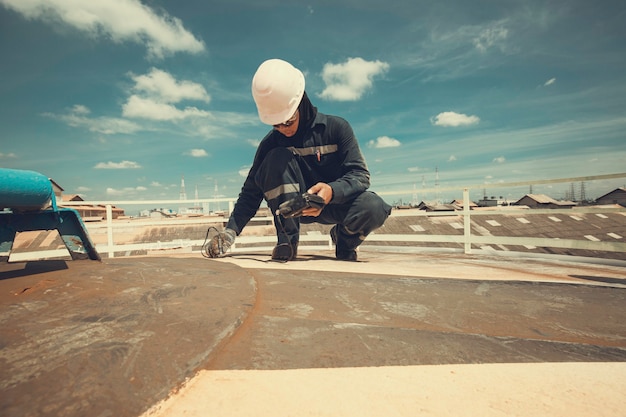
point(540, 389)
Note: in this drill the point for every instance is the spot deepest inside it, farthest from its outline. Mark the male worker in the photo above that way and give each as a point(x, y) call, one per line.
point(305, 152)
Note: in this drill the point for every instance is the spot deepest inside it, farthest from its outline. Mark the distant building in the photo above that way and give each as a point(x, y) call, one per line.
point(263, 212)
point(492, 202)
point(617, 196)
point(459, 204)
point(57, 189)
point(88, 212)
point(426, 206)
point(191, 211)
point(159, 213)
point(543, 201)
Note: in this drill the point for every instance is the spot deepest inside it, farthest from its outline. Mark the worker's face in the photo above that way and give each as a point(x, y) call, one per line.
point(290, 127)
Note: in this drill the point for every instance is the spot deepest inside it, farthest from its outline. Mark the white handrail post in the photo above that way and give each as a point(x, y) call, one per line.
point(467, 230)
point(110, 230)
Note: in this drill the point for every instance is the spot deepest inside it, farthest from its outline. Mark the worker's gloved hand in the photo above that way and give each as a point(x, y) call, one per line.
point(295, 206)
point(220, 243)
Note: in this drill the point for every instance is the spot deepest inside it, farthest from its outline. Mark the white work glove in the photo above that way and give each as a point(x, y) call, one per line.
point(220, 243)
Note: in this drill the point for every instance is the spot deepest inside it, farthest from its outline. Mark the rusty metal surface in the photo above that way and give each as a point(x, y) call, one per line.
point(86, 338)
point(308, 319)
point(112, 338)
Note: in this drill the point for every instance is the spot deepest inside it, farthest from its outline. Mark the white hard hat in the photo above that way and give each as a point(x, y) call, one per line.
point(277, 88)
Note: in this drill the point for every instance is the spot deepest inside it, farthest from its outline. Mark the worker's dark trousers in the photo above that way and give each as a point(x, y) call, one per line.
point(281, 178)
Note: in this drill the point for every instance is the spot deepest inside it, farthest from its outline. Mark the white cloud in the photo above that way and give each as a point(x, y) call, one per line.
point(549, 82)
point(197, 153)
point(7, 155)
point(254, 142)
point(499, 160)
point(79, 117)
point(83, 189)
point(490, 37)
point(384, 142)
point(452, 158)
point(450, 118)
point(79, 109)
point(147, 108)
point(162, 85)
point(117, 165)
point(124, 191)
point(157, 93)
point(413, 169)
point(119, 20)
point(244, 171)
point(153, 99)
point(350, 80)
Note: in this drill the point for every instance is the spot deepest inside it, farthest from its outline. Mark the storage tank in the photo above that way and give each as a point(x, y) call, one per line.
point(24, 190)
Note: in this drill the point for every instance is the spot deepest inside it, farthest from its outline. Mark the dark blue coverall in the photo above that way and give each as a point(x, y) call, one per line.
point(324, 149)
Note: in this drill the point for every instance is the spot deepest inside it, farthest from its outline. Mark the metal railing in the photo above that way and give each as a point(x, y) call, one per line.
point(467, 239)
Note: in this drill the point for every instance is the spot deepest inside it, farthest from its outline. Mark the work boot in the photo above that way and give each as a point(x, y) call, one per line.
point(284, 252)
point(342, 252)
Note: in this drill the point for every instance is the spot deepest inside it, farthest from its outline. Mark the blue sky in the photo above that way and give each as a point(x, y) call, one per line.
point(118, 99)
